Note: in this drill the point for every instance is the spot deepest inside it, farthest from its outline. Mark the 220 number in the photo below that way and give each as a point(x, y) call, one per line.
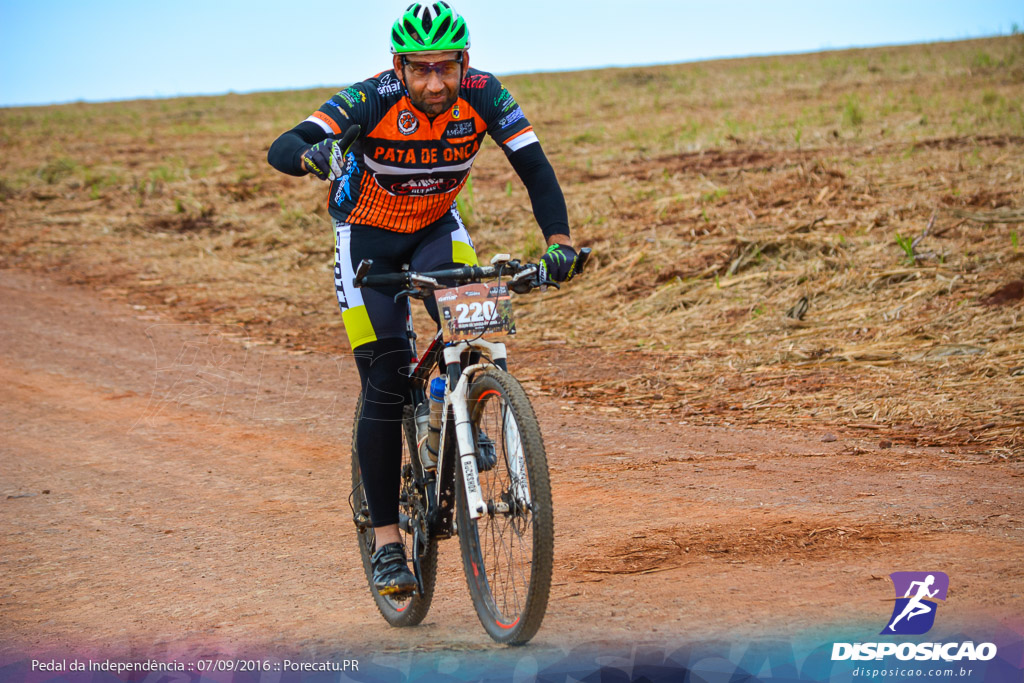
point(476, 312)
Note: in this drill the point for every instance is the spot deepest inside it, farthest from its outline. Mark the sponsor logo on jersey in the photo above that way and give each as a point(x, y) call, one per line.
point(344, 183)
point(460, 129)
point(456, 113)
point(389, 85)
point(337, 105)
point(476, 81)
point(425, 154)
point(353, 96)
point(514, 116)
point(504, 100)
point(407, 122)
point(502, 97)
point(418, 187)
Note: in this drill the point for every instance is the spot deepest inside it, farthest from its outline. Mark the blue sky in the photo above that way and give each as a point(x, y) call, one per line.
point(68, 50)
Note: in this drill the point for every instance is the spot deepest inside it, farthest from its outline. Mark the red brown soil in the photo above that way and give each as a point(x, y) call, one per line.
point(178, 488)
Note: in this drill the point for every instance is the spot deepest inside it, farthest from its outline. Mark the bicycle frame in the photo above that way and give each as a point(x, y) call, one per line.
point(456, 408)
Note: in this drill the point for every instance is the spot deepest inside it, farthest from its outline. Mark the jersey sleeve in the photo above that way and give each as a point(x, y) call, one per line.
point(506, 123)
point(348, 106)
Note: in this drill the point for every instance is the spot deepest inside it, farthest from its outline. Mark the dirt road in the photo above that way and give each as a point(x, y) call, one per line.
point(181, 488)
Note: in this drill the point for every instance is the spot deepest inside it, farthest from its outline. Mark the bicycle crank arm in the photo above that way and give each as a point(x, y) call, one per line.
point(416, 569)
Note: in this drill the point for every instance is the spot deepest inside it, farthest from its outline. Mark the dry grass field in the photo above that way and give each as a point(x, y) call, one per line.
point(828, 240)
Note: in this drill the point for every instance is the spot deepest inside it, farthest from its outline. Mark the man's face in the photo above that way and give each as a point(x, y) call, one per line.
point(432, 79)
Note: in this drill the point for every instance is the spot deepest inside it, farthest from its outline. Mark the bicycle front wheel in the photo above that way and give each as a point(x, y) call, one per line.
point(507, 554)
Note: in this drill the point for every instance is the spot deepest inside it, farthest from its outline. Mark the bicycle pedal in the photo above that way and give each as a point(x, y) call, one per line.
point(362, 521)
point(397, 591)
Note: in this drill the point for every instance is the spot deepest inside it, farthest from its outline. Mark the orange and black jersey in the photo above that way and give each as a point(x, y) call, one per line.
point(405, 170)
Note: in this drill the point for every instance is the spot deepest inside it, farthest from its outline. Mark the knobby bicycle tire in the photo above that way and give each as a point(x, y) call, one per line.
point(410, 611)
point(507, 554)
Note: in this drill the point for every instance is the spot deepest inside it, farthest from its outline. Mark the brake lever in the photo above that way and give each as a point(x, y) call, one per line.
point(523, 282)
point(417, 279)
point(414, 292)
point(543, 279)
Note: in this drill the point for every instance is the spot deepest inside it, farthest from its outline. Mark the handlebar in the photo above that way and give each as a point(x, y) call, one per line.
point(522, 276)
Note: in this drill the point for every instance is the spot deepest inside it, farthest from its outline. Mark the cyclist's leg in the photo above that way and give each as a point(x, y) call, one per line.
point(379, 437)
point(375, 325)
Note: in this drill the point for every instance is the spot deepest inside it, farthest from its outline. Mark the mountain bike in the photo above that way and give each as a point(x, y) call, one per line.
point(473, 459)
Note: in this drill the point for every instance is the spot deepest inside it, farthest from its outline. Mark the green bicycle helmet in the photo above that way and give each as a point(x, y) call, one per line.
point(433, 27)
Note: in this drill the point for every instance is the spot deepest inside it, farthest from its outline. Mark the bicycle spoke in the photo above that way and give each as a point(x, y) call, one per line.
point(510, 568)
point(498, 567)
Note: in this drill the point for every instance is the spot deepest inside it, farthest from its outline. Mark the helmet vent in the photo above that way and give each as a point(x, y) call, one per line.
point(410, 28)
point(460, 34)
point(428, 19)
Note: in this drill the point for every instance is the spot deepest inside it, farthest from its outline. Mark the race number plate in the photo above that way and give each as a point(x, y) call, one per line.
point(476, 310)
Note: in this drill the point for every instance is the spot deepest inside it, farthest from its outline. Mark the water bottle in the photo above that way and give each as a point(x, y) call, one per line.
point(422, 425)
point(437, 386)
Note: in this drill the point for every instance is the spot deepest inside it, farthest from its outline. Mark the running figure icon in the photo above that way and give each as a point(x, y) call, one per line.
point(917, 594)
point(917, 606)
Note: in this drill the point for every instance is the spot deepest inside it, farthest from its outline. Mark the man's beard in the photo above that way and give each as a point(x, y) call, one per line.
point(433, 110)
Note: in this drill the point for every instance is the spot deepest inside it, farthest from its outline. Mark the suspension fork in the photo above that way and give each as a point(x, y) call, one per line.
point(457, 400)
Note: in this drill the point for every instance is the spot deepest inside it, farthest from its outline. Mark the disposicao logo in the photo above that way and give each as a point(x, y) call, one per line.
point(915, 608)
point(913, 614)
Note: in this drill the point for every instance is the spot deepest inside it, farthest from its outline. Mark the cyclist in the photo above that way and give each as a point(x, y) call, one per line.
point(397, 148)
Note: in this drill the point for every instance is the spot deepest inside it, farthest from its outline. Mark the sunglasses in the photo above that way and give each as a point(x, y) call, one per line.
point(445, 69)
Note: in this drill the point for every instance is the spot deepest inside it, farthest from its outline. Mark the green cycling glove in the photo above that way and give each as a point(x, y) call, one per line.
point(560, 260)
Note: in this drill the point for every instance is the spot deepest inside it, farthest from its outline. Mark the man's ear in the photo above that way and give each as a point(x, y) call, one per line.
point(465, 63)
point(396, 60)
